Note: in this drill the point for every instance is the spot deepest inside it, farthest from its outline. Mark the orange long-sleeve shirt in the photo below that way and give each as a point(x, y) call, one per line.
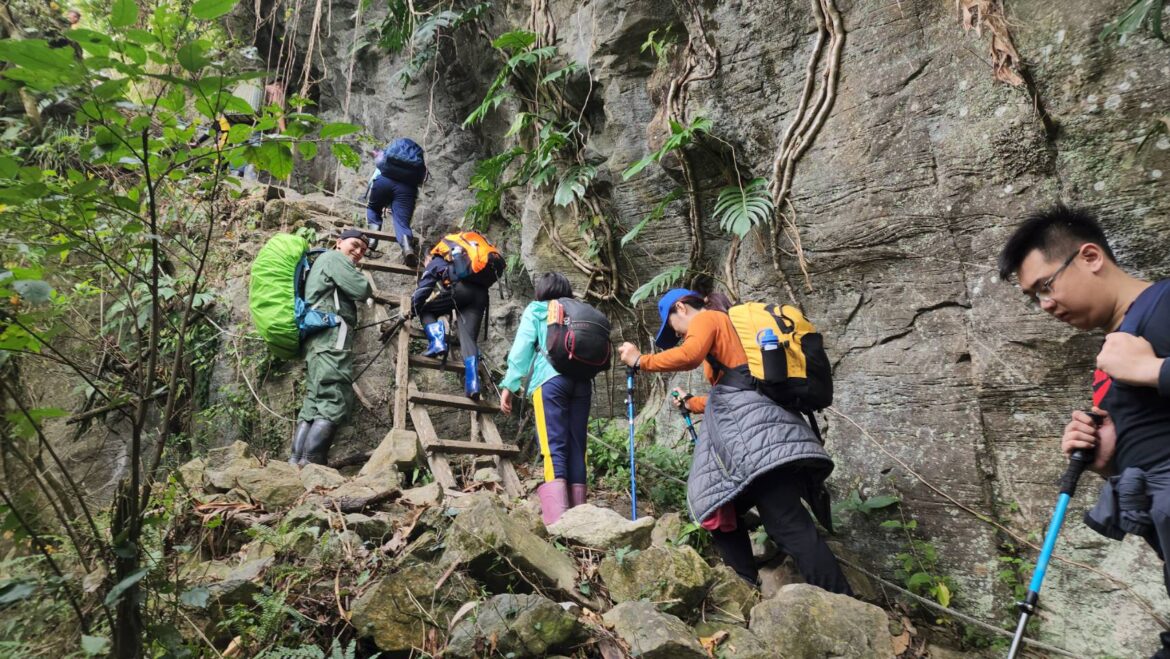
point(710, 333)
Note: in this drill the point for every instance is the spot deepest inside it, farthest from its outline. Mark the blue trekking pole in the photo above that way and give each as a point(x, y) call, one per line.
point(630, 370)
point(686, 414)
point(1068, 487)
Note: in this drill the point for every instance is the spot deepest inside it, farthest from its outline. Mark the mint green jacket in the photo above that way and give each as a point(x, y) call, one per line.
point(528, 351)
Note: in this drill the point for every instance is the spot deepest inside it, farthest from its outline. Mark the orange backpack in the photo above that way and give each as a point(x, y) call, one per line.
point(472, 257)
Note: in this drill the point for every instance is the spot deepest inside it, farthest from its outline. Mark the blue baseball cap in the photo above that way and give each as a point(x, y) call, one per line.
point(667, 337)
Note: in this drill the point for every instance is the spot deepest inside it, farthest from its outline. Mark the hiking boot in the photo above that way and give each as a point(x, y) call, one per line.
point(298, 442)
point(317, 442)
point(471, 377)
point(409, 257)
point(554, 500)
point(577, 492)
point(436, 339)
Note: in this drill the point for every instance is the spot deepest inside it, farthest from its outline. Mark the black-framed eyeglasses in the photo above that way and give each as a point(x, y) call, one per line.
point(1043, 292)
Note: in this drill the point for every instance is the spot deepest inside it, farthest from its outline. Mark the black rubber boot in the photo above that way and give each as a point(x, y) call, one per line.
point(317, 443)
point(409, 257)
point(298, 443)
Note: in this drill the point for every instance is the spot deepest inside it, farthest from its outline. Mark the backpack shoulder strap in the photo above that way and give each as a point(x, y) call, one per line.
point(1139, 312)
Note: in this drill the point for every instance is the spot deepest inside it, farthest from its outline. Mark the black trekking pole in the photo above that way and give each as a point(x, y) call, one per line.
point(1068, 487)
point(686, 415)
point(385, 339)
point(630, 371)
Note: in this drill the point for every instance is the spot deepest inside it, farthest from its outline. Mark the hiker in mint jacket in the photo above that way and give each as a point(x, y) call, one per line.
point(336, 286)
point(561, 404)
point(1065, 267)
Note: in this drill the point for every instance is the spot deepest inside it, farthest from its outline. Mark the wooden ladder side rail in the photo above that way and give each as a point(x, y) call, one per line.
point(427, 439)
point(491, 437)
point(402, 370)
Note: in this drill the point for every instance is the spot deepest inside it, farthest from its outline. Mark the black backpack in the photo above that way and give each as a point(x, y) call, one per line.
point(577, 339)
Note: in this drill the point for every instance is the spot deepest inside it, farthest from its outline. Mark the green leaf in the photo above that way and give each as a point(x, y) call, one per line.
point(122, 586)
point(193, 56)
point(196, 597)
point(514, 41)
point(308, 150)
point(880, 501)
point(123, 13)
point(330, 131)
point(740, 209)
point(345, 155)
point(655, 214)
point(658, 284)
point(94, 646)
point(208, 9)
point(15, 591)
point(917, 580)
point(574, 184)
point(273, 157)
point(891, 524)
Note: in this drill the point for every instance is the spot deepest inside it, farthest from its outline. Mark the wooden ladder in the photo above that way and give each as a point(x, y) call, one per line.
point(483, 438)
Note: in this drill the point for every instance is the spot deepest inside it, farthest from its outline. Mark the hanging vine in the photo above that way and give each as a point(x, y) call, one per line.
point(816, 100)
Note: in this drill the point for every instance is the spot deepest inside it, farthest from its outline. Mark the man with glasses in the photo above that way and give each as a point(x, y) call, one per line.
point(1063, 263)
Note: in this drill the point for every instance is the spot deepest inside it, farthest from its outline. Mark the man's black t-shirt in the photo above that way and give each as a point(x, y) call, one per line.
point(1142, 414)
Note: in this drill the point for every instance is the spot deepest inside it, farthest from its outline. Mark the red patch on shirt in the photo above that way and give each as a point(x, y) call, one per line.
point(1101, 384)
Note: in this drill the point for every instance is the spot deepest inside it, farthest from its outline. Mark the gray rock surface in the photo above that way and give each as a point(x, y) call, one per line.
point(513, 626)
point(805, 622)
point(602, 528)
point(652, 634)
point(397, 612)
point(674, 577)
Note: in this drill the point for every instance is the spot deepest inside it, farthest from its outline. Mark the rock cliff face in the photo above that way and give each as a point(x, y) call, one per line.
point(950, 390)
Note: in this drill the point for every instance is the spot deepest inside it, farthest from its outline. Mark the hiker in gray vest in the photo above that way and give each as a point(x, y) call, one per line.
point(334, 285)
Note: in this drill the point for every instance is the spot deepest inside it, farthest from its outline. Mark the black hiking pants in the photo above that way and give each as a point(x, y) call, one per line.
point(776, 495)
point(468, 300)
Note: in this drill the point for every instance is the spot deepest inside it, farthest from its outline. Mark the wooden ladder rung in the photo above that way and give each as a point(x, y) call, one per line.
point(453, 364)
point(380, 235)
point(394, 268)
point(388, 300)
point(471, 448)
point(456, 402)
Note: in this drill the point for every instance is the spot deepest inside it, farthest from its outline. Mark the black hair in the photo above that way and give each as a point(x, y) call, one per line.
point(1056, 232)
point(552, 286)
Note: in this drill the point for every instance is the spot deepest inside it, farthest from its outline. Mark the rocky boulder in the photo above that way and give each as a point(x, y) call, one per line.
point(602, 528)
point(399, 449)
point(495, 546)
point(729, 641)
point(652, 634)
point(398, 611)
point(729, 598)
point(675, 576)
point(275, 485)
point(806, 622)
point(516, 626)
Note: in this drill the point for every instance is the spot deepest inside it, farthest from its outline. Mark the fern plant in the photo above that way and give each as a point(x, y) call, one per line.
point(655, 214)
point(680, 136)
point(1141, 13)
point(573, 184)
point(659, 283)
point(739, 208)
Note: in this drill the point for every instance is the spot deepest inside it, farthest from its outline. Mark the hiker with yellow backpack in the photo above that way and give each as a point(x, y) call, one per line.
point(753, 451)
point(459, 270)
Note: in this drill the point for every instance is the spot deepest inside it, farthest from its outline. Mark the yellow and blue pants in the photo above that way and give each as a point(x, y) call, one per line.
point(562, 416)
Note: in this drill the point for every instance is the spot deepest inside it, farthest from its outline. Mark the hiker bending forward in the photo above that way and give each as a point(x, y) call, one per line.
point(751, 451)
point(334, 286)
point(561, 404)
point(437, 296)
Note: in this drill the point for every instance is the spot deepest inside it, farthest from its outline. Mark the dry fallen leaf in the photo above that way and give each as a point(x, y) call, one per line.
point(901, 643)
point(711, 642)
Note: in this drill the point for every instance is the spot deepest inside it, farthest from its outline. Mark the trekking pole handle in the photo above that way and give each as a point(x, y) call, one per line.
point(1078, 461)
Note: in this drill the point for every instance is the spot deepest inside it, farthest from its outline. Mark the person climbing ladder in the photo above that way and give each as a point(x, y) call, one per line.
point(400, 169)
point(459, 270)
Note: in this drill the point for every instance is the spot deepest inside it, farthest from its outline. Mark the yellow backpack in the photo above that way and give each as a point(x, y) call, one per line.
point(786, 355)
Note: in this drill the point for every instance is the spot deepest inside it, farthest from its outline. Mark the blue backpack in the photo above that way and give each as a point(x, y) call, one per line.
point(402, 161)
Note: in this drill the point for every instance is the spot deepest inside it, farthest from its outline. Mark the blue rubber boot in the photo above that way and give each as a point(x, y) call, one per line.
point(471, 377)
point(437, 339)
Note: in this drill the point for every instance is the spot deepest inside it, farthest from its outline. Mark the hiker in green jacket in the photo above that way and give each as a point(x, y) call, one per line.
point(334, 285)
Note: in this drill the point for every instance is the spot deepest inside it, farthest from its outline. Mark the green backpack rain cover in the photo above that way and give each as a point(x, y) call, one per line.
point(273, 295)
